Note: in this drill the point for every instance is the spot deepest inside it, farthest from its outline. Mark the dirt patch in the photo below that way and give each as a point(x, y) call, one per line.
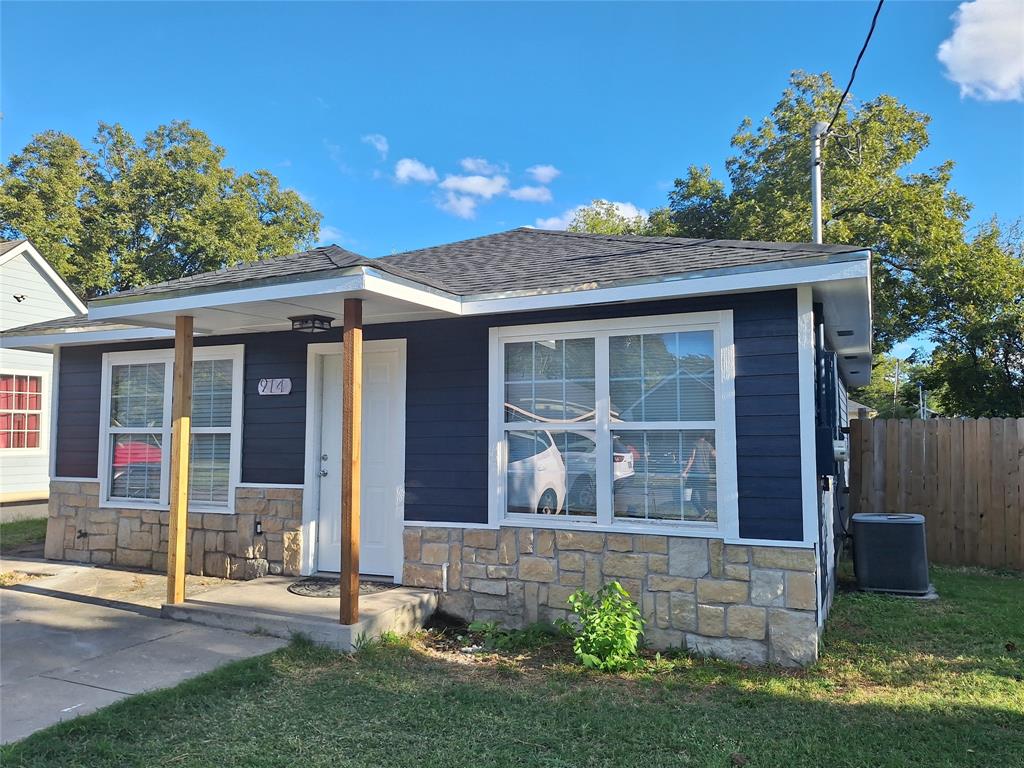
point(11, 578)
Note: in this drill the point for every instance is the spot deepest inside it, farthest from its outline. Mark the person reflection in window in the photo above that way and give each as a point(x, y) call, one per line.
point(700, 467)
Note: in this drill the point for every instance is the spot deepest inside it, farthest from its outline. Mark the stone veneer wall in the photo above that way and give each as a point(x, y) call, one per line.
point(222, 545)
point(748, 603)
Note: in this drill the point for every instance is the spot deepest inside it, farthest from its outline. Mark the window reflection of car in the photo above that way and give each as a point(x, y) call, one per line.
point(132, 464)
point(536, 474)
point(580, 457)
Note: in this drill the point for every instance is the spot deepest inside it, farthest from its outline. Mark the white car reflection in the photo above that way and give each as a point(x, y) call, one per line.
point(555, 472)
point(536, 474)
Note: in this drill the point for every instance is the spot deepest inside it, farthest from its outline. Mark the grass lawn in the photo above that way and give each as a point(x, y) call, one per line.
point(900, 683)
point(19, 533)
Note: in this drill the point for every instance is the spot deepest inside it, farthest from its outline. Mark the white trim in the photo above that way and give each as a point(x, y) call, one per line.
point(670, 287)
point(74, 479)
point(54, 404)
point(68, 295)
point(372, 280)
point(442, 524)
point(495, 430)
point(233, 352)
point(67, 337)
point(364, 279)
point(719, 323)
point(397, 288)
point(315, 351)
point(45, 439)
point(808, 450)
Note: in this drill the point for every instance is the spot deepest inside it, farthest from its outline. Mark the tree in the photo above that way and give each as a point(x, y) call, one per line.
point(913, 222)
point(126, 214)
point(893, 399)
point(928, 276)
point(976, 319)
point(605, 218)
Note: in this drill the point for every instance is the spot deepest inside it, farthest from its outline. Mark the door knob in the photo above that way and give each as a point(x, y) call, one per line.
point(323, 473)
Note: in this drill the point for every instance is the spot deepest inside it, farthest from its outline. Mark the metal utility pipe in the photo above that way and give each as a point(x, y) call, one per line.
point(817, 139)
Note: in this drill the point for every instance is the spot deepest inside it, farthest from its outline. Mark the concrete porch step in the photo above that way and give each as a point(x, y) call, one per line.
point(266, 607)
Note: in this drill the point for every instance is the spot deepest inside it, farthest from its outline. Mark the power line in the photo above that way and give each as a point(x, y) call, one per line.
point(853, 74)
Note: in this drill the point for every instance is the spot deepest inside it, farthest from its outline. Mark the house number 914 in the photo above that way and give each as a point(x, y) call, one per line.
point(275, 386)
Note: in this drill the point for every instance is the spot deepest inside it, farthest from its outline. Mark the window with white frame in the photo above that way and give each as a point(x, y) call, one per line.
point(626, 422)
point(136, 427)
point(21, 411)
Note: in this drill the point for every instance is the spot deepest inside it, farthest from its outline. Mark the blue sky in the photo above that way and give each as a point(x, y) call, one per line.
point(617, 98)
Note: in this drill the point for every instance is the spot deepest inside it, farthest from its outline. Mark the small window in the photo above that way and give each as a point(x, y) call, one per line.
point(138, 427)
point(21, 406)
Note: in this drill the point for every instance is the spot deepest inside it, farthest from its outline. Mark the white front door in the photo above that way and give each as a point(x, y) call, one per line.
point(380, 519)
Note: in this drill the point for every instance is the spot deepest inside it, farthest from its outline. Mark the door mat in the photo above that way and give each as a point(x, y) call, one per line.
point(316, 586)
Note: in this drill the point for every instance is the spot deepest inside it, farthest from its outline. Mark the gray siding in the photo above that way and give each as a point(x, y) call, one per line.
point(446, 408)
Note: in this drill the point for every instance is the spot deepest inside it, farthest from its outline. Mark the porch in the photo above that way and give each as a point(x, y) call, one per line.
point(266, 606)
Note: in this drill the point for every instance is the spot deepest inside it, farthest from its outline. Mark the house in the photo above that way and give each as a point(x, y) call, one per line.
point(30, 292)
point(853, 410)
point(539, 411)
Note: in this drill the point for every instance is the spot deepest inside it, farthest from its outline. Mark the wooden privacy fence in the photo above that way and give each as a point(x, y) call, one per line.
point(966, 476)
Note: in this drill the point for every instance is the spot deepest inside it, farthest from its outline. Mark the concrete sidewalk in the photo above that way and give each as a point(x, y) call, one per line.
point(65, 652)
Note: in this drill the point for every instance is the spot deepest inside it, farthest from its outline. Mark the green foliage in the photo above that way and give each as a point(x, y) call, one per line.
point(878, 394)
point(494, 636)
point(21, 533)
point(928, 276)
point(976, 318)
point(603, 218)
point(933, 684)
point(609, 628)
point(913, 222)
point(129, 213)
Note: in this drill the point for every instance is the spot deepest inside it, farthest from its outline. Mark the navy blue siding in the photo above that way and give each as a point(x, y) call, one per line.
point(446, 407)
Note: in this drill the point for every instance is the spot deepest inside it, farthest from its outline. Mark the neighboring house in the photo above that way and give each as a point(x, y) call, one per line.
point(541, 411)
point(853, 409)
point(30, 292)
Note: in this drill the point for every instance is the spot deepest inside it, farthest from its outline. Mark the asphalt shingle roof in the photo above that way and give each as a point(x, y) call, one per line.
point(9, 245)
point(63, 323)
point(525, 259)
point(328, 258)
point(518, 260)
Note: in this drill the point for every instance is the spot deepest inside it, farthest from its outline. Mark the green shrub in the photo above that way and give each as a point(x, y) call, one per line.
point(609, 628)
point(496, 637)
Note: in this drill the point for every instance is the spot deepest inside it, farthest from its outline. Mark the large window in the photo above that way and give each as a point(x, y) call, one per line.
point(137, 427)
point(21, 411)
point(625, 423)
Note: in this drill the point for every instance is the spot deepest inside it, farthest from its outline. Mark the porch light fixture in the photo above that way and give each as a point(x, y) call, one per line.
point(311, 323)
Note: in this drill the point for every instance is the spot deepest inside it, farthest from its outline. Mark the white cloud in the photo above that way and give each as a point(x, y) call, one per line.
point(410, 169)
point(479, 166)
point(329, 234)
point(985, 53)
point(531, 194)
point(462, 206)
point(626, 210)
point(379, 142)
point(544, 174)
point(481, 186)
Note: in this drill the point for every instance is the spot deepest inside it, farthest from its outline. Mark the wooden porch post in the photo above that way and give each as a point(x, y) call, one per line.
point(181, 431)
point(351, 456)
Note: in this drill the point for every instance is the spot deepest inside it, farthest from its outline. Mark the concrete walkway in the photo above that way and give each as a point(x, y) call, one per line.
point(25, 510)
point(65, 652)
